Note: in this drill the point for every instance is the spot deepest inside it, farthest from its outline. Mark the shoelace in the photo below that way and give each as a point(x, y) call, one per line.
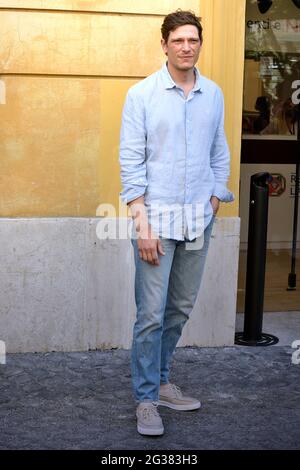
point(176, 390)
point(149, 410)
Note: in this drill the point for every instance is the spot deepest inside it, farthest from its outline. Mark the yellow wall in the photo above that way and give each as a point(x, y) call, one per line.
point(65, 67)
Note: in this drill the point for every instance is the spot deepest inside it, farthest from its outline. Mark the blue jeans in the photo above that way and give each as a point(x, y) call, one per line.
point(164, 296)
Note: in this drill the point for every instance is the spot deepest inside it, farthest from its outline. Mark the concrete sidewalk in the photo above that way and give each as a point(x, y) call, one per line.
point(250, 400)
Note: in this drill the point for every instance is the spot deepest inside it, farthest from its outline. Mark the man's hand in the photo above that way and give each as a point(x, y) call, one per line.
point(149, 246)
point(215, 202)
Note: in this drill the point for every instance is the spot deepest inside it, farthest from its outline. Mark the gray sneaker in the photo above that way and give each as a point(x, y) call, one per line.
point(148, 420)
point(172, 397)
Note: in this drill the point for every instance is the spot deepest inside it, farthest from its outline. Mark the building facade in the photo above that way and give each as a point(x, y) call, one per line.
point(65, 68)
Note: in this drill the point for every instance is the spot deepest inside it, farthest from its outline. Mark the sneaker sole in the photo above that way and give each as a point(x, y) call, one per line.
point(173, 406)
point(150, 432)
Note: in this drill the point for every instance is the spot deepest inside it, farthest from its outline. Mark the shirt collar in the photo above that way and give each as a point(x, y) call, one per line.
point(169, 82)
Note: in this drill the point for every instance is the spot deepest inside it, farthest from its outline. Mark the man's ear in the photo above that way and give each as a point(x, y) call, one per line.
point(164, 46)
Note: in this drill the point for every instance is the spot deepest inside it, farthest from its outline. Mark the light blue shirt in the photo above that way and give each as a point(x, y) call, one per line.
point(173, 150)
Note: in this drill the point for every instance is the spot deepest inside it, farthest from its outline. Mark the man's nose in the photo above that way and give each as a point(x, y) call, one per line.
point(186, 45)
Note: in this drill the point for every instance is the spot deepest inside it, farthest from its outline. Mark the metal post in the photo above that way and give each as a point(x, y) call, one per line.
point(292, 275)
point(256, 263)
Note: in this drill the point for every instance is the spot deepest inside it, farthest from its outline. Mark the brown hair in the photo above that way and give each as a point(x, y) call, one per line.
point(180, 18)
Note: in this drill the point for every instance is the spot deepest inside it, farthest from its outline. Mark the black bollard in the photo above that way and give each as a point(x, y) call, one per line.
point(256, 264)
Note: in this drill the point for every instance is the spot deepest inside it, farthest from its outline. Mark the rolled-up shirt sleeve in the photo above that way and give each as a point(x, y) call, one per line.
point(133, 148)
point(220, 157)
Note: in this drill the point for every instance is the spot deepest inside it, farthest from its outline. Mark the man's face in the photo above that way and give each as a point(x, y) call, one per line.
point(183, 47)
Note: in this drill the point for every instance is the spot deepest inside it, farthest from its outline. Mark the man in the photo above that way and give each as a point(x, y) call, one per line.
point(174, 160)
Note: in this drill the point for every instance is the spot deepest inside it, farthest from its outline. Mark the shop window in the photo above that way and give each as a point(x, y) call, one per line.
point(272, 69)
